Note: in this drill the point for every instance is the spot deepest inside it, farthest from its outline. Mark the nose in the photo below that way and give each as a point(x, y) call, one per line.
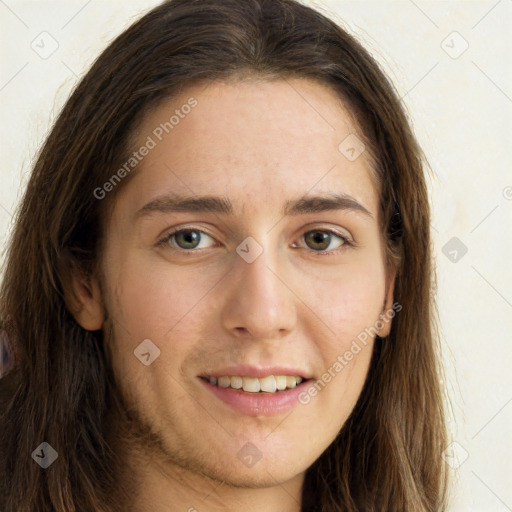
point(259, 303)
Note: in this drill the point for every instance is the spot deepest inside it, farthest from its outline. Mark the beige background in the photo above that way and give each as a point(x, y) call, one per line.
point(460, 103)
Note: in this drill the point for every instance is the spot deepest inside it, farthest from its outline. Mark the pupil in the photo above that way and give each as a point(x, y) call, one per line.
point(189, 236)
point(319, 237)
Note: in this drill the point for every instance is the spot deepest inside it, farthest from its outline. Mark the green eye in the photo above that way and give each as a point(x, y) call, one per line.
point(185, 239)
point(319, 240)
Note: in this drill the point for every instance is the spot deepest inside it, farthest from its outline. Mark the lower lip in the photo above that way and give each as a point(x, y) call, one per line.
point(257, 404)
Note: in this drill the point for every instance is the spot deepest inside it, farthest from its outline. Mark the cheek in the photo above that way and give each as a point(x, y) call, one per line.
point(351, 306)
point(150, 300)
point(351, 302)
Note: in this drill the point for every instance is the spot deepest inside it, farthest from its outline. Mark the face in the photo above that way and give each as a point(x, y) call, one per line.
point(265, 284)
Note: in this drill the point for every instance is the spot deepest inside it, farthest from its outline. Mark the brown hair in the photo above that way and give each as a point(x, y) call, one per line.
point(388, 454)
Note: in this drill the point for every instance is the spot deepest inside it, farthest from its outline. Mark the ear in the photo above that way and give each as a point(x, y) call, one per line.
point(388, 311)
point(85, 302)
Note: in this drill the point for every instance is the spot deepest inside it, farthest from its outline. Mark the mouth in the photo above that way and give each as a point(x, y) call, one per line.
point(266, 384)
point(261, 395)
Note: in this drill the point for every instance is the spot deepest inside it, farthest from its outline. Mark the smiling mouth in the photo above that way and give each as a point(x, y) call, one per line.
point(268, 384)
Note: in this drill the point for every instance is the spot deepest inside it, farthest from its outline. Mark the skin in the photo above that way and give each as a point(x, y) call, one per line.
point(258, 143)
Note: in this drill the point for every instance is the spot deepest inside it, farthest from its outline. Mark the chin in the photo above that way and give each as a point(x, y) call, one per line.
point(244, 467)
point(256, 477)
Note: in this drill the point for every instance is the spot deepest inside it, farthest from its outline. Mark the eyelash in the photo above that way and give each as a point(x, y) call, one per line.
point(346, 242)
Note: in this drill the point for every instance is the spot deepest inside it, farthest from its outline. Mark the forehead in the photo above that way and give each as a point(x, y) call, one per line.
point(258, 142)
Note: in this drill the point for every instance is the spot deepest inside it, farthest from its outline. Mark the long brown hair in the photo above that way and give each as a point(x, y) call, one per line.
point(388, 454)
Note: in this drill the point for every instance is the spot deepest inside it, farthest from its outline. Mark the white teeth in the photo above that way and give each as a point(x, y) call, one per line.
point(268, 384)
point(236, 382)
point(281, 382)
point(224, 382)
point(291, 382)
point(251, 384)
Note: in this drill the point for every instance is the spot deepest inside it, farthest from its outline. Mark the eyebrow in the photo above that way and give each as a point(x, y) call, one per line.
point(222, 205)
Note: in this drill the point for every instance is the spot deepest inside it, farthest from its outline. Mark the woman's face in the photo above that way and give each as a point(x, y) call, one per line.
point(278, 275)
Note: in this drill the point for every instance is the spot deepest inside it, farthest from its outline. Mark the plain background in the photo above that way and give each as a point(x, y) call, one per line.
point(450, 62)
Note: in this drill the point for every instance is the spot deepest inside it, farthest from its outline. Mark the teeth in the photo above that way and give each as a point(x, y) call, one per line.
point(224, 382)
point(251, 384)
point(236, 382)
point(281, 382)
point(268, 384)
point(291, 382)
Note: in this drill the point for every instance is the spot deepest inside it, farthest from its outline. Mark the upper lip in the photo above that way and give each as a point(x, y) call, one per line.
point(254, 371)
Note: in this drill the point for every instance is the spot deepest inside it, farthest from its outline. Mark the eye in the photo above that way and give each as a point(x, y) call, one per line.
point(185, 239)
point(321, 239)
